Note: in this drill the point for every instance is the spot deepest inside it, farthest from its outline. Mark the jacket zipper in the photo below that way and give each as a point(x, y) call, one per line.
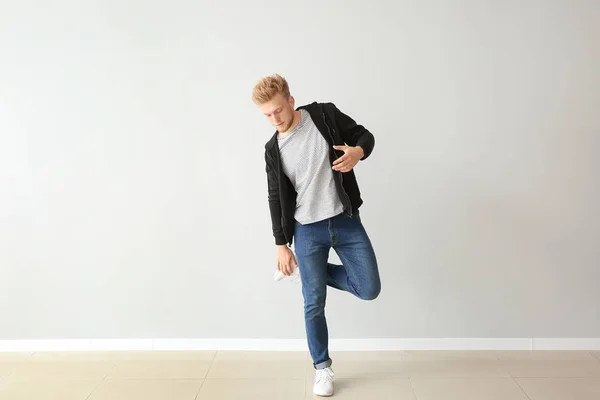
point(348, 203)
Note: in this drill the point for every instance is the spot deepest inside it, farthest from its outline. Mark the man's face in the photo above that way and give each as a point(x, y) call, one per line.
point(280, 112)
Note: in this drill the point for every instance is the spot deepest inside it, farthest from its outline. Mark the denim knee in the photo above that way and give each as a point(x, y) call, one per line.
point(371, 292)
point(314, 305)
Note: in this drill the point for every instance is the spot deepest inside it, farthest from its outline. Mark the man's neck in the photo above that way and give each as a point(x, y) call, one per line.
point(297, 116)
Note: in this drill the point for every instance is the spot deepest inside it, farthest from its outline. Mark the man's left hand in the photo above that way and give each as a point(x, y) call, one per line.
point(351, 157)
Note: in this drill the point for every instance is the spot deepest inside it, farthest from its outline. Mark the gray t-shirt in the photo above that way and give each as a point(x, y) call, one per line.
point(305, 159)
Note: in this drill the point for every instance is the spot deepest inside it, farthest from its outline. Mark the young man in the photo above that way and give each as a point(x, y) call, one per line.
point(314, 198)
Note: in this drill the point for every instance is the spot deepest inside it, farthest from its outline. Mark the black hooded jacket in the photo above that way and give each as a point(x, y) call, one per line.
point(338, 129)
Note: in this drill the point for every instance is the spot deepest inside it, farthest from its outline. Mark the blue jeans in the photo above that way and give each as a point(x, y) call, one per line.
point(359, 274)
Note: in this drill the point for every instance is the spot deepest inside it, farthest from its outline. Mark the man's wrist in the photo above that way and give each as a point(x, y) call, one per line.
point(362, 151)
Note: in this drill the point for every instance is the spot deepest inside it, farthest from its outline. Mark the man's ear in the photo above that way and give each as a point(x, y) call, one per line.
point(292, 101)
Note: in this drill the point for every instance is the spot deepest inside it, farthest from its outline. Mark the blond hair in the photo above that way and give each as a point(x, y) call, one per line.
point(268, 87)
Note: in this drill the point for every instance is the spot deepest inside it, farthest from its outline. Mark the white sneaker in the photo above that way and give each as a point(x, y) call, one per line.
point(294, 277)
point(324, 382)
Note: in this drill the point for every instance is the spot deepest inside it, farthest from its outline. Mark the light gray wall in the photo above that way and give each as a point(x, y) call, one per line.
point(133, 197)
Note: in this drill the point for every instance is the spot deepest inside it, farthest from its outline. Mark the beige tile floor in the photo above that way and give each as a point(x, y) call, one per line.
point(211, 375)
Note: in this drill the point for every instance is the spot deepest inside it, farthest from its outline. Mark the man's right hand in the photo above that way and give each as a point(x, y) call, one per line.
point(286, 261)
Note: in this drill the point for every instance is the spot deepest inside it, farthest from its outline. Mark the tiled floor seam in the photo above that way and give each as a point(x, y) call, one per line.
point(519, 385)
point(206, 375)
point(96, 387)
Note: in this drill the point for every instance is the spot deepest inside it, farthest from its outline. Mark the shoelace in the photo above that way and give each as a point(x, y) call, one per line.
point(324, 375)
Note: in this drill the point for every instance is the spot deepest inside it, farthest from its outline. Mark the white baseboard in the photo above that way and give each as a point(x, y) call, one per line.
point(344, 344)
point(494, 344)
point(76, 345)
point(232, 344)
point(566, 344)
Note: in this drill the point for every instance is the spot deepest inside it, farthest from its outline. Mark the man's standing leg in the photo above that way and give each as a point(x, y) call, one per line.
point(312, 245)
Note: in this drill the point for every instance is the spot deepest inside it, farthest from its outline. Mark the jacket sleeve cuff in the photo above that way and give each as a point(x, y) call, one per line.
point(280, 240)
point(367, 146)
